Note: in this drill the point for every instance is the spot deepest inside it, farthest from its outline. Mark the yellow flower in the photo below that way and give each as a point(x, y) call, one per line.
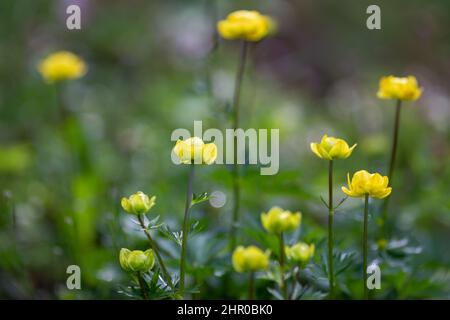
point(382, 244)
point(364, 183)
point(331, 148)
point(278, 220)
point(300, 252)
point(62, 65)
point(136, 260)
point(138, 203)
point(405, 88)
point(245, 25)
point(194, 150)
point(250, 259)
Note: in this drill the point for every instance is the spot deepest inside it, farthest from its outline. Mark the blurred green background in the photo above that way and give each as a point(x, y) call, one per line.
point(155, 66)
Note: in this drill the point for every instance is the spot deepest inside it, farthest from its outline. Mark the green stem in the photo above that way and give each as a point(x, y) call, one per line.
point(365, 245)
point(330, 229)
point(236, 118)
point(251, 286)
point(282, 264)
point(142, 286)
point(391, 167)
point(186, 229)
point(62, 109)
point(212, 10)
point(156, 251)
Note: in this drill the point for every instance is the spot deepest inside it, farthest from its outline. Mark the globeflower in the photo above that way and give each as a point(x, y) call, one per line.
point(300, 252)
point(364, 183)
point(245, 25)
point(278, 220)
point(195, 151)
point(405, 88)
point(136, 260)
point(250, 259)
point(138, 203)
point(400, 89)
point(191, 151)
point(331, 148)
point(62, 65)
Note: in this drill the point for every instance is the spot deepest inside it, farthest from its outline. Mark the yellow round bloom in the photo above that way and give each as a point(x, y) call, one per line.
point(250, 259)
point(300, 252)
point(138, 203)
point(136, 260)
point(331, 148)
point(405, 88)
point(364, 183)
point(62, 65)
point(245, 25)
point(278, 220)
point(194, 150)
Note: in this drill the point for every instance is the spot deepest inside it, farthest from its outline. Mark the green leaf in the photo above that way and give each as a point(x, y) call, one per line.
point(196, 199)
point(175, 236)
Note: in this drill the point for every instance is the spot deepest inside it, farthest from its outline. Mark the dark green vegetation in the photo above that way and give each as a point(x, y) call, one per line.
point(153, 67)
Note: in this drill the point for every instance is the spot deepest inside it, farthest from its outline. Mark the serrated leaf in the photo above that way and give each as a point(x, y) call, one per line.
point(276, 293)
point(195, 228)
point(196, 199)
point(171, 235)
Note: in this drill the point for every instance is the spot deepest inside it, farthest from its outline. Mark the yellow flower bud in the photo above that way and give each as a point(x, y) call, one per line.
point(278, 220)
point(364, 183)
point(138, 203)
point(331, 148)
point(250, 259)
point(300, 252)
point(209, 153)
point(136, 260)
point(405, 88)
point(62, 65)
point(194, 150)
point(245, 25)
point(382, 244)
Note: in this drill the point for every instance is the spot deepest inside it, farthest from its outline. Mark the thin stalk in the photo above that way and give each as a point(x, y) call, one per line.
point(63, 111)
point(251, 286)
point(297, 279)
point(365, 245)
point(186, 228)
point(212, 10)
point(330, 229)
point(282, 264)
point(142, 286)
point(156, 251)
point(391, 167)
point(236, 118)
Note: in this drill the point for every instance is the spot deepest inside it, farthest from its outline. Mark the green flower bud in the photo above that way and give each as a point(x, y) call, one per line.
point(138, 203)
point(300, 252)
point(136, 260)
point(278, 220)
